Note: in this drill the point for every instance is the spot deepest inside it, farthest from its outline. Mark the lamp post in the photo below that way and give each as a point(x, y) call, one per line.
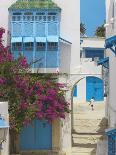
point(3, 131)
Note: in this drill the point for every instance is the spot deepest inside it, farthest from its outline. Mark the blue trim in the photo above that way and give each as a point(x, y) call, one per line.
point(110, 131)
point(110, 43)
point(103, 61)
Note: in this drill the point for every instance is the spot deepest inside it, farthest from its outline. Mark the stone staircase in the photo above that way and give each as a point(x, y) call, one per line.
point(88, 128)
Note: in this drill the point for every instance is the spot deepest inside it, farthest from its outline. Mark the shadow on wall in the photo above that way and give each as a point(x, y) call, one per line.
point(103, 125)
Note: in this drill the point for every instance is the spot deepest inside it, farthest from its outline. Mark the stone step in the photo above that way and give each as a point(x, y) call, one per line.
point(84, 149)
point(86, 139)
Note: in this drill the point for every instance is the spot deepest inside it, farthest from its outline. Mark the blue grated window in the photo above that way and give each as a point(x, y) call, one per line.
point(52, 46)
point(28, 16)
point(16, 46)
point(28, 46)
point(40, 46)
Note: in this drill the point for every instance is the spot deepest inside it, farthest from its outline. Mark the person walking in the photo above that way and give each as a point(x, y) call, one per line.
point(92, 103)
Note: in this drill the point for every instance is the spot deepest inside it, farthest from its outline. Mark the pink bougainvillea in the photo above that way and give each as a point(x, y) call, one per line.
point(29, 97)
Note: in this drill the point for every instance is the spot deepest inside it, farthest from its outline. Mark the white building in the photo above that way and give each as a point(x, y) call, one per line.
point(92, 50)
point(109, 65)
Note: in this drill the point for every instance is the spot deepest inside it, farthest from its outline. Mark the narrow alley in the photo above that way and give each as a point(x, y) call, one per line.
point(88, 128)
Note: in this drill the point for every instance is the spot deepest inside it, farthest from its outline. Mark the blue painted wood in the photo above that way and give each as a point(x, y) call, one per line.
point(75, 91)
point(34, 27)
point(36, 136)
point(40, 57)
point(51, 59)
point(94, 88)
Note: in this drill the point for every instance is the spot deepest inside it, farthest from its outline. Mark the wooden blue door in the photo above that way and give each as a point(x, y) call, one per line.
point(94, 88)
point(36, 136)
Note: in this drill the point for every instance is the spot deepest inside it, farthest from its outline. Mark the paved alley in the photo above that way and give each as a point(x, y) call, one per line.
point(88, 128)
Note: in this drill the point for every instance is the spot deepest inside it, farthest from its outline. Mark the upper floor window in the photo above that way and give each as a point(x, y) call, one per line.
point(52, 16)
point(52, 46)
point(17, 46)
point(40, 16)
point(40, 46)
point(16, 16)
point(28, 16)
point(28, 46)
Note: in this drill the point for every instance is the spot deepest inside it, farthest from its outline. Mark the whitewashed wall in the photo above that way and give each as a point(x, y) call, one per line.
point(87, 68)
point(4, 5)
point(111, 31)
point(70, 28)
point(5, 115)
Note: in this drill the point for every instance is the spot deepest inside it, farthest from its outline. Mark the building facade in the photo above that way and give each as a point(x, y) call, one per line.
point(109, 75)
point(111, 53)
point(92, 50)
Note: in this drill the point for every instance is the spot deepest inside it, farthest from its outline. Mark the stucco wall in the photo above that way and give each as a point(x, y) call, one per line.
point(111, 31)
point(4, 114)
point(70, 28)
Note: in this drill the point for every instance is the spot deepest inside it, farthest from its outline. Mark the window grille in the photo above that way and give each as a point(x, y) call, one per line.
point(28, 16)
point(40, 46)
point(52, 16)
point(40, 16)
point(17, 46)
point(52, 46)
point(28, 46)
point(16, 16)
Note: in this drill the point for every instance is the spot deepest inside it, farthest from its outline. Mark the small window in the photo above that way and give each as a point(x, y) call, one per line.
point(16, 18)
point(52, 46)
point(40, 46)
point(28, 46)
point(52, 13)
point(40, 13)
point(28, 13)
point(16, 46)
point(52, 16)
point(17, 13)
point(28, 18)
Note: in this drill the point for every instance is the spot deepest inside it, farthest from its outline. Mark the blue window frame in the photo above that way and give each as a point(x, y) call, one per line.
point(28, 16)
point(92, 53)
point(40, 16)
point(111, 141)
point(17, 46)
point(52, 16)
point(52, 46)
point(40, 46)
point(28, 46)
point(17, 16)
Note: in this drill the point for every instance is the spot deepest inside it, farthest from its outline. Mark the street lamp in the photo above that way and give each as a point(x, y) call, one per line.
point(3, 130)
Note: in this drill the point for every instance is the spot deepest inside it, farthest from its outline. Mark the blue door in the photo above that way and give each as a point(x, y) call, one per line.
point(75, 91)
point(94, 88)
point(36, 136)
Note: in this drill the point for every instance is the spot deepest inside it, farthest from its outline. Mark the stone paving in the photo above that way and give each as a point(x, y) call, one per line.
point(88, 128)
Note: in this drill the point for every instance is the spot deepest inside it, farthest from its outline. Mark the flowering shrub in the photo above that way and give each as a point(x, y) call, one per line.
point(29, 97)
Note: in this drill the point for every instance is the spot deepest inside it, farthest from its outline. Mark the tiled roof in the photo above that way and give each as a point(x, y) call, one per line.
point(34, 4)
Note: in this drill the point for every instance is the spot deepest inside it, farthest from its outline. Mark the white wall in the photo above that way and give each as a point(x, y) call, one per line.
point(110, 26)
point(111, 31)
point(70, 28)
point(4, 5)
point(87, 68)
point(4, 114)
point(93, 42)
